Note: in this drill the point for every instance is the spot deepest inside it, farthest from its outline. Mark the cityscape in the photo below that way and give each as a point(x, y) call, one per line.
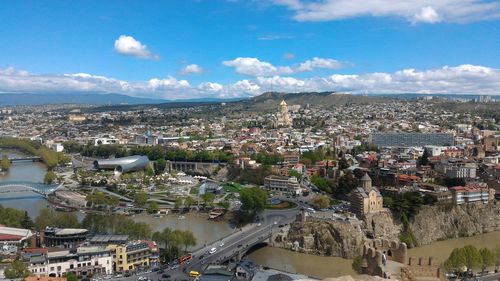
point(273, 148)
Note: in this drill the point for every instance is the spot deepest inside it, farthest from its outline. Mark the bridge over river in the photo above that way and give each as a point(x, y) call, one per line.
point(37, 187)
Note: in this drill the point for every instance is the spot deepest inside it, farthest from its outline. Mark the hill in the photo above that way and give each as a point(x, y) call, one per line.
point(12, 99)
point(270, 100)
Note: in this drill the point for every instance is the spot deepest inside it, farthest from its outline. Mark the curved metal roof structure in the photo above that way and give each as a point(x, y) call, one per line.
point(123, 164)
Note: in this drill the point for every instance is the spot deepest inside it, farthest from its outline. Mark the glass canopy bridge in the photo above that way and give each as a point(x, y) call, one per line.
point(20, 186)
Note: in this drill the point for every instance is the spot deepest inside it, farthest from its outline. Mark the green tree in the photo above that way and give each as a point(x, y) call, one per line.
point(160, 166)
point(188, 239)
point(424, 160)
point(322, 183)
point(70, 276)
point(321, 201)
point(153, 208)
point(343, 164)
point(472, 257)
point(496, 251)
point(17, 269)
point(27, 222)
point(140, 198)
point(456, 261)
point(294, 173)
point(208, 198)
point(5, 163)
point(487, 258)
point(253, 200)
point(50, 177)
point(51, 218)
point(11, 217)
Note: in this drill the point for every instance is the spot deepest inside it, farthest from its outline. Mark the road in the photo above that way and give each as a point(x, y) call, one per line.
point(246, 237)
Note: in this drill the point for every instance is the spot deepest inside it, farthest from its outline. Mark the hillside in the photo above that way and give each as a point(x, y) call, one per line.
point(270, 100)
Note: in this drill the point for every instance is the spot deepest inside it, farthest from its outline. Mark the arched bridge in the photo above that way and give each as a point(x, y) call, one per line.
point(40, 188)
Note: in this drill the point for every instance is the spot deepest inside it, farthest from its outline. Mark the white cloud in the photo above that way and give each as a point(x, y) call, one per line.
point(191, 69)
point(129, 46)
point(310, 65)
point(462, 79)
point(426, 11)
point(255, 67)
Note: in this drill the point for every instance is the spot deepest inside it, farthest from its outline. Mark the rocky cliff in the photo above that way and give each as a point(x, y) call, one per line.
point(434, 223)
point(329, 238)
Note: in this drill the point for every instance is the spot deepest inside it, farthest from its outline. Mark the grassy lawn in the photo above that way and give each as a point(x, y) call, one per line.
point(282, 206)
point(232, 187)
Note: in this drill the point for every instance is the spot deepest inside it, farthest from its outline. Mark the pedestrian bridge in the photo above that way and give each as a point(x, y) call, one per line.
point(37, 187)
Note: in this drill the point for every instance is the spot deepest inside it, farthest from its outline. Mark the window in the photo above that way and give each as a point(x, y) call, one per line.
point(51, 268)
point(71, 266)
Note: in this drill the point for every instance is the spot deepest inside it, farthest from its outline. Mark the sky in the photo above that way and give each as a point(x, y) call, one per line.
point(183, 49)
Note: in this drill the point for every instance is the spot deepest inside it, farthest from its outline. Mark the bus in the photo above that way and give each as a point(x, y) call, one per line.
point(193, 273)
point(185, 258)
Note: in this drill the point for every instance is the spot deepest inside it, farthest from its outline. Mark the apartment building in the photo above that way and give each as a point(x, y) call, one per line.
point(288, 185)
point(82, 261)
point(132, 256)
point(471, 194)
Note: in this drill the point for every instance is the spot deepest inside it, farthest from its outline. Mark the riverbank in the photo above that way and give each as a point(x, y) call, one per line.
point(324, 267)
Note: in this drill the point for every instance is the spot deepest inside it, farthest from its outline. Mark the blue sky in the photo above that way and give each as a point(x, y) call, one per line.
point(186, 49)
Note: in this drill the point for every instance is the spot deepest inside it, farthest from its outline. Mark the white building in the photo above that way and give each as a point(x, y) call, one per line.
point(84, 261)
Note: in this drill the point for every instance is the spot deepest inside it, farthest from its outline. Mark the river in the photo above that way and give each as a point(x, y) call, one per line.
point(323, 267)
point(204, 230)
point(23, 171)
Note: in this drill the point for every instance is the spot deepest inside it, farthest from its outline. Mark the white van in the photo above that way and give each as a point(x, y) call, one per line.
point(213, 250)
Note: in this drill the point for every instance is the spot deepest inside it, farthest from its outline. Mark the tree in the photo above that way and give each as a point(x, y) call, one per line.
point(173, 241)
point(496, 251)
point(17, 270)
point(487, 258)
point(472, 257)
point(5, 163)
point(140, 198)
point(208, 198)
point(322, 183)
point(343, 164)
point(11, 217)
point(160, 166)
point(50, 177)
point(253, 200)
point(321, 201)
point(424, 160)
point(27, 222)
point(456, 261)
point(153, 208)
point(70, 276)
point(294, 173)
point(51, 218)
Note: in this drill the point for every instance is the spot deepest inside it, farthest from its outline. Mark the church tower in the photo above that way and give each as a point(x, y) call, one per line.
point(366, 182)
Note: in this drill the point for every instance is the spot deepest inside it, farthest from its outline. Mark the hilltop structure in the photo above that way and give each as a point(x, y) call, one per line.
point(283, 117)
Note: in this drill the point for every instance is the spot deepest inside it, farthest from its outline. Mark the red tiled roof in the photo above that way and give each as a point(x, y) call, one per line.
point(10, 237)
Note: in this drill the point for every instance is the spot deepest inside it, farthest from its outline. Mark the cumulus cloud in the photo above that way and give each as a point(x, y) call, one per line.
point(191, 69)
point(461, 79)
point(255, 67)
point(129, 46)
point(425, 11)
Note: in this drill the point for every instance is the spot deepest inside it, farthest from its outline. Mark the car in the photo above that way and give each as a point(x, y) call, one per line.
point(221, 244)
point(202, 256)
point(259, 224)
point(239, 246)
point(142, 278)
point(128, 274)
point(213, 250)
point(165, 275)
point(175, 266)
point(161, 271)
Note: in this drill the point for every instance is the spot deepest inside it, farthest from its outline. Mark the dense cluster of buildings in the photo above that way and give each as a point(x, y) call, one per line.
point(55, 252)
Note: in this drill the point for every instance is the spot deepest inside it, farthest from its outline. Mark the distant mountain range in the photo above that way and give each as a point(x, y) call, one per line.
point(12, 99)
point(264, 101)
